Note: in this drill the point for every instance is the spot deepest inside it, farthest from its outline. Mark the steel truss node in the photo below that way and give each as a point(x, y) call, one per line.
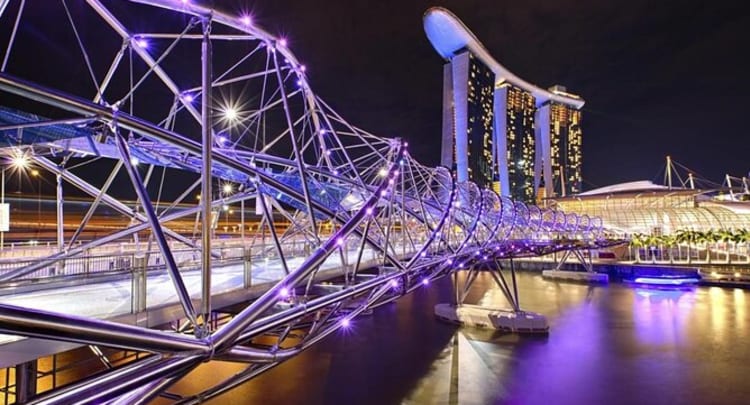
point(195, 97)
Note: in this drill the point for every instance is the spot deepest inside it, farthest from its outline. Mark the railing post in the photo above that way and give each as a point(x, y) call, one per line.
point(138, 291)
point(247, 263)
point(86, 262)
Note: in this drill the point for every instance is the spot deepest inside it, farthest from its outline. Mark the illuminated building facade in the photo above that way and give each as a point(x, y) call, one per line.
point(467, 146)
point(536, 133)
point(514, 129)
point(566, 137)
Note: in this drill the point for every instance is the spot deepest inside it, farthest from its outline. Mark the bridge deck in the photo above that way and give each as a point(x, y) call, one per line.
point(112, 299)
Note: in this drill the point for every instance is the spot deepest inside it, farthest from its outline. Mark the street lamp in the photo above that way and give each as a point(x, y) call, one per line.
point(19, 161)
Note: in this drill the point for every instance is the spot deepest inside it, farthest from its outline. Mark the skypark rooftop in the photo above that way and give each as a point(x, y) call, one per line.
point(449, 36)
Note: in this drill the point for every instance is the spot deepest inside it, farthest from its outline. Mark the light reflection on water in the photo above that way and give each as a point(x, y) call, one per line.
point(607, 344)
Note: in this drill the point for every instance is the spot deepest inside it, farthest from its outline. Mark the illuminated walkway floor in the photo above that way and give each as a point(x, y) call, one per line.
point(112, 299)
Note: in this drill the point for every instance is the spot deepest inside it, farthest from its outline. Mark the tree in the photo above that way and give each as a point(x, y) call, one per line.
point(637, 241)
point(669, 241)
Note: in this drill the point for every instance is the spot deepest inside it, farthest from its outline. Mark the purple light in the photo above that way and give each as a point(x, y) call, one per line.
point(322, 131)
point(299, 82)
point(423, 254)
point(141, 42)
point(246, 19)
point(425, 281)
point(384, 192)
point(450, 261)
point(221, 140)
point(345, 322)
point(282, 42)
point(369, 211)
point(390, 181)
point(284, 293)
point(188, 98)
point(394, 283)
point(665, 281)
point(303, 68)
point(340, 241)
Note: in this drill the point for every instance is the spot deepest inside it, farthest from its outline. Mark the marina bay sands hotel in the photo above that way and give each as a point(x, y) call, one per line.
point(500, 131)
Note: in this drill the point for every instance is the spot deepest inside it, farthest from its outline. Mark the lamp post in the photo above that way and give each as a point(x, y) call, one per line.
point(19, 162)
point(35, 173)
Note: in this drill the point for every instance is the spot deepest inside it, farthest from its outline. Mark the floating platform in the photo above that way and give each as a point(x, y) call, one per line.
point(481, 317)
point(579, 276)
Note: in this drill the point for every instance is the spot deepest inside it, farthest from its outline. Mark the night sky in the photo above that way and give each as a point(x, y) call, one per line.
point(659, 77)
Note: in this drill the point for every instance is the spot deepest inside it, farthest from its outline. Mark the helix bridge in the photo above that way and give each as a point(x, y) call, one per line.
point(139, 106)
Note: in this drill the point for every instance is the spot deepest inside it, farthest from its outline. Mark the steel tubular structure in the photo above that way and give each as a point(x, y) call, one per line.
point(198, 96)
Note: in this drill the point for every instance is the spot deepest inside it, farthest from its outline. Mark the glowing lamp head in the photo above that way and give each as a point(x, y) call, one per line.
point(303, 68)
point(134, 161)
point(284, 292)
point(227, 188)
point(346, 322)
point(188, 98)
point(383, 172)
point(425, 281)
point(340, 241)
point(282, 42)
point(246, 20)
point(141, 42)
point(369, 210)
point(20, 161)
point(394, 283)
point(230, 113)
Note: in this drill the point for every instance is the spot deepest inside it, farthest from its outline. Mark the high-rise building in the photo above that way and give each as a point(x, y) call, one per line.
point(467, 146)
point(566, 136)
point(514, 122)
point(534, 149)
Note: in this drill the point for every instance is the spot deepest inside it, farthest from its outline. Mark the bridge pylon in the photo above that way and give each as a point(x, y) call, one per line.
point(512, 319)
